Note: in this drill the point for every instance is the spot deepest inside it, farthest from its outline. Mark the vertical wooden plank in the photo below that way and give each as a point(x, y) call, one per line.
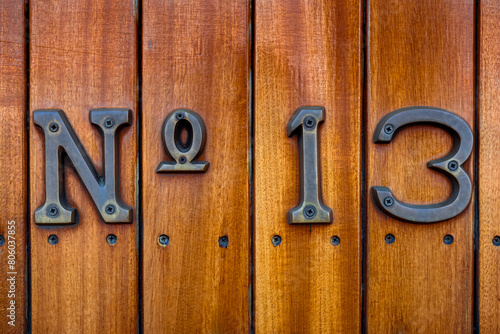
point(489, 171)
point(307, 54)
point(196, 56)
point(83, 55)
point(419, 53)
point(13, 179)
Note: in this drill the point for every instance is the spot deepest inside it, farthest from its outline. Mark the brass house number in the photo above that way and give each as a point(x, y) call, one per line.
point(61, 141)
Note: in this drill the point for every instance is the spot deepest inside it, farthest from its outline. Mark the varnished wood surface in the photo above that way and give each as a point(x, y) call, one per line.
point(83, 55)
point(489, 170)
point(307, 53)
point(13, 161)
point(419, 53)
point(196, 55)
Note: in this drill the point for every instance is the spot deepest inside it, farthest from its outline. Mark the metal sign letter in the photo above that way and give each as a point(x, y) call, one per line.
point(184, 155)
point(449, 165)
point(311, 209)
point(61, 141)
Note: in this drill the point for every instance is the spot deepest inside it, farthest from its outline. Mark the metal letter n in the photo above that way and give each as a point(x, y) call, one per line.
point(61, 141)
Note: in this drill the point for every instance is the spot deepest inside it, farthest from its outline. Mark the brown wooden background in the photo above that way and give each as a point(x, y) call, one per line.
point(245, 66)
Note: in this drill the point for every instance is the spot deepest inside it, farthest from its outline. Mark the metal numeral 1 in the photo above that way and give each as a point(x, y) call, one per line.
point(184, 155)
point(311, 209)
point(449, 165)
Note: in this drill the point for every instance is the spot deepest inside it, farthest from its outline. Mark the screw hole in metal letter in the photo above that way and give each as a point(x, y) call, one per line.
point(449, 165)
point(311, 210)
point(183, 152)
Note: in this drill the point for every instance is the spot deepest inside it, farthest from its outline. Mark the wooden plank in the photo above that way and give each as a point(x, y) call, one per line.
point(308, 53)
point(196, 56)
point(13, 179)
point(419, 53)
point(489, 171)
point(83, 55)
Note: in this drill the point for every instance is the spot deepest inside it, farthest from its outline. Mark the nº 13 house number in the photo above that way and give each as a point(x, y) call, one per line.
point(60, 139)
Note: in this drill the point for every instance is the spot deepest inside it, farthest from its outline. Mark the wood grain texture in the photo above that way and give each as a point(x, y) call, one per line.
point(13, 179)
point(196, 56)
point(83, 55)
point(308, 53)
point(419, 53)
point(489, 171)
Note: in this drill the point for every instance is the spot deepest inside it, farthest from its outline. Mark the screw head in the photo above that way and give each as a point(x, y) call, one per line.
point(109, 122)
point(309, 211)
point(110, 209)
point(309, 122)
point(448, 239)
point(453, 165)
point(389, 239)
point(276, 240)
point(111, 239)
point(53, 239)
point(163, 240)
point(52, 211)
point(182, 160)
point(389, 201)
point(53, 127)
point(335, 240)
point(389, 129)
point(223, 241)
point(496, 240)
point(179, 115)
point(2, 240)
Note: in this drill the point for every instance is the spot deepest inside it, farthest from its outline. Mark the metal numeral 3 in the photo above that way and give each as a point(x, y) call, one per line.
point(449, 165)
point(311, 209)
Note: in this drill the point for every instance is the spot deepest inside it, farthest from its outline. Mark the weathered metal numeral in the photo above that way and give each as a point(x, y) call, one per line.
point(60, 141)
point(449, 165)
point(183, 154)
point(311, 209)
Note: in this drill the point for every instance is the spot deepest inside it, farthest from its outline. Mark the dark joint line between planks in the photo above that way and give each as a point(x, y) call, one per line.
point(140, 225)
point(364, 117)
point(27, 143)
point(477, 27)
point(251, 153)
